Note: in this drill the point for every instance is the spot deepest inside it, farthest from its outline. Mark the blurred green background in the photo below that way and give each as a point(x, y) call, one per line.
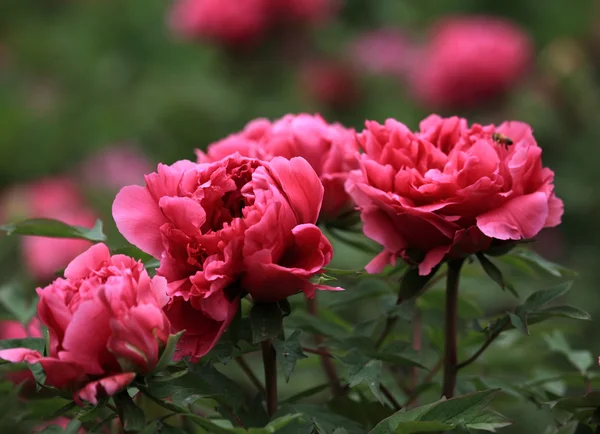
point(78, 76)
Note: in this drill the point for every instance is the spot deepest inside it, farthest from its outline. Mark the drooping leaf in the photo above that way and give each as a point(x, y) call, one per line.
point(131, 416)
point(167, 353)
point(495, 274)
point(288, 352)
point(266, 320)
point(362, 369)
point(55, 229)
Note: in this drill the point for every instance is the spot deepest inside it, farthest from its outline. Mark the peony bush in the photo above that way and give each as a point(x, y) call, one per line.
point(224, 251)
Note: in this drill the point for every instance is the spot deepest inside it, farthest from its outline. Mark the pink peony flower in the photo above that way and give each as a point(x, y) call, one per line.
point(383, 52)
point(115, 167)
point(223, 229)
point(449, 190)
point(329, 148)
point(232, 23)
point(469, 60)
point(106, 325)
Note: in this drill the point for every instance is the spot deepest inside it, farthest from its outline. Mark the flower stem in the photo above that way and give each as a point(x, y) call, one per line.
point(269, 362)
point(451, 327)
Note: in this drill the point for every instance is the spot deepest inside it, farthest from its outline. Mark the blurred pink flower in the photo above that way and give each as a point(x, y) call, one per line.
point(115, 167)
point(469, 60)
point(384, 51)
point(232, 23)
point(330, 83)
point(306, 11)
point(53, 198)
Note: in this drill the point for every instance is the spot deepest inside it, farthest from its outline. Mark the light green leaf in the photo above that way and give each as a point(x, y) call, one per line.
point(54, 229)
point(565, 311)
point(281, 422)
point(519, 321)
point(167, 353)
point(288, 352)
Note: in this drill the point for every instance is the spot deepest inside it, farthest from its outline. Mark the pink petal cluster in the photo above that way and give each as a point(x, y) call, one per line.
point(450, 190)
point(53, 198)
point(468, 60)
point(106, 325)
point(242, 22)
point(329, 148)
point(223, 229)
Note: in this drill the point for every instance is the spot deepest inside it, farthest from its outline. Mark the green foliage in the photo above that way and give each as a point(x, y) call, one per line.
point(288, 352)
point(55, 229)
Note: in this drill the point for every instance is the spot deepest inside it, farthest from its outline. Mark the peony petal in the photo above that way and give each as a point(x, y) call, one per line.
point(105, 387)
point(433, 258)
point(138, 218)
point(90, 260)
point(556, 209)
point(301, 186)
point(185, 213)
point(379, 262)
point(520, 218)
point(19, 355)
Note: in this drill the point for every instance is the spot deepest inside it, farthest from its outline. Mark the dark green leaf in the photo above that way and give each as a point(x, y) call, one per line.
point(55, 229)
point(398, 353)
point(167, 353)
point(132, 417)
point(591, 400)
point(465, 408)
point(413, 283)
point(362, 369)
point(73, 427)
point(340, 431)
point(222, 387)
point(157, 426)
point(288, 352)
point(306, 393)
point(327, 420)
point(266, 320)
point(389, 424)
point(541, 298)
point(495, 274)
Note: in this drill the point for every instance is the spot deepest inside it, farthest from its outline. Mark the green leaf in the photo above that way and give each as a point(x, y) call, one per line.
point(398, 353)
point(565, 311)
point(223, 389)
point(132, 417)
point(54, 229)
point(281, 422)
point(321, 416)
point(413, 283)
point(167, 353)
point(37, 344)
point(580, 359)
point(158, 426)
point(541, 298)
point(73, 427)
point(338, 272)
point(415, 427)
point(495, 274)
point(266, 320)
point(530, 257)
point(340, 431)
point(519, 321)
point(467, 408)
point(12, 298)
point(362, 369)
point(288, 352)
point(306, 393)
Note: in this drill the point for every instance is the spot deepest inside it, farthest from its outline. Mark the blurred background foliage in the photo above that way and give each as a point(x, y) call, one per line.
point(79, 76)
